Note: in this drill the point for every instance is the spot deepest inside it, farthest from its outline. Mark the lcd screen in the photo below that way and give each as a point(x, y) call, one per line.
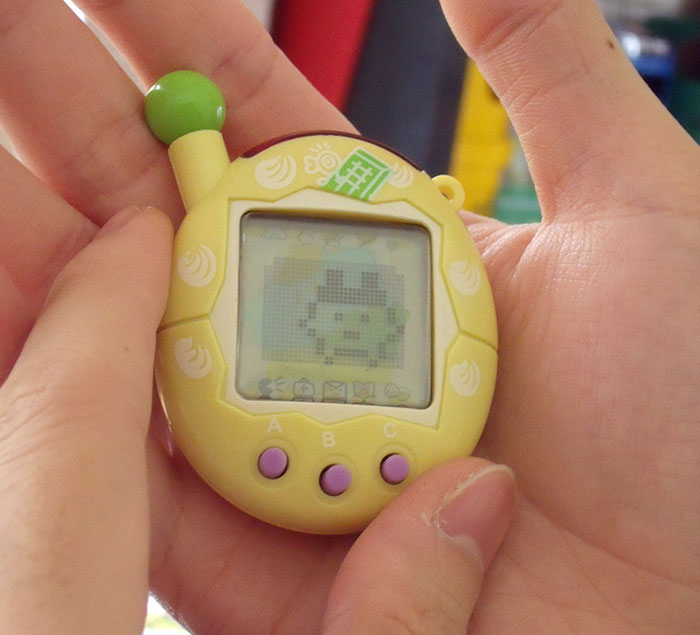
point(334, 311)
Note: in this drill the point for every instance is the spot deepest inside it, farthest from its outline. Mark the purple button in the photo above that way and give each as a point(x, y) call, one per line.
point(335, 479)
point(273, 462)
point(394, 468)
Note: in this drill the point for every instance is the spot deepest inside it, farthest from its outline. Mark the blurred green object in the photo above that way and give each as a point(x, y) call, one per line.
point(676, 30)
point(685, 104)
point(684, 33)
point(517, 204)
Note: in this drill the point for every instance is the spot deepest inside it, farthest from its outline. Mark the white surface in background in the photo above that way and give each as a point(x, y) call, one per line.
point(4, 142)
point(159, 622)
point(616, 10)
point(75, 9)
point(263, 10)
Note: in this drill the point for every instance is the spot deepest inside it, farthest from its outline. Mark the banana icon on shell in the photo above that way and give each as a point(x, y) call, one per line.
point(194, 361)
point(465, 378)
point(276, 173)
point(197, 267)
point(465, 276)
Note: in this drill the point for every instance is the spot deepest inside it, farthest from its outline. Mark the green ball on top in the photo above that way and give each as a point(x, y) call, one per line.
point(182, 102)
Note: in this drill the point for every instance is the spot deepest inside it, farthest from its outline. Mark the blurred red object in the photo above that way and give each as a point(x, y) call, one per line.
point(324, 40)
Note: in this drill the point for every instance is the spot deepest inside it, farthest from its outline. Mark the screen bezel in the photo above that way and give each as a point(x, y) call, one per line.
point(322, 204)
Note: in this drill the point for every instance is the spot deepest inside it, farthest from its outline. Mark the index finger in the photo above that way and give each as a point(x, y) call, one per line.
point(266, 95)
point(78, 119)
point(39, 233)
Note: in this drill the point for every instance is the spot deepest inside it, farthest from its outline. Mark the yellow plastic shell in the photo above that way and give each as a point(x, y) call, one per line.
point(223, 434)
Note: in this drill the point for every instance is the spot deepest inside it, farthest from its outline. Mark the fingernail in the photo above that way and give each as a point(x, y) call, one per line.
point(119, 220)
point(476, 514)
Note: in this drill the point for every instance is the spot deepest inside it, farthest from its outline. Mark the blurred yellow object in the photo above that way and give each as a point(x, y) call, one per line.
point(482, 146)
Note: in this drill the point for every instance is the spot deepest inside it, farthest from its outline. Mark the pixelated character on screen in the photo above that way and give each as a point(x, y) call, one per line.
point(343, 313)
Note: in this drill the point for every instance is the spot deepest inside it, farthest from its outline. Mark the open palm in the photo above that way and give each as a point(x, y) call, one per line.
point(597, 405)
point(597, 412)
point(598, 395)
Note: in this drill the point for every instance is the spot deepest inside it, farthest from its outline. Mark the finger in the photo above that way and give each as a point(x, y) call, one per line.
point(420, 564)
point(592, 130)
point(40, 233)
point(266, 96)
point(77, 120)
point(74, 117)
point(105, 305)
point(73, 419)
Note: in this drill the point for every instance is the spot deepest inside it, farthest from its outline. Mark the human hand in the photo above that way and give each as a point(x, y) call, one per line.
point(598, 386)
point(74, 455)
point(598, 395)
point(74, 412)
point(74, 417)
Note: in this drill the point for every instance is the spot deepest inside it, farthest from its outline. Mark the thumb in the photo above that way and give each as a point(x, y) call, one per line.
point(74, 413)
point(95, 337)
point(420, 564)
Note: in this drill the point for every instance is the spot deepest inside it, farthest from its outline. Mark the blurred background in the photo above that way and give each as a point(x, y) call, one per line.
point(394, 68)
point(397, 73)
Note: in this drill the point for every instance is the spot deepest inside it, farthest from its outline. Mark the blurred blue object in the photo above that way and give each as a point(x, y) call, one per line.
point(653, 57)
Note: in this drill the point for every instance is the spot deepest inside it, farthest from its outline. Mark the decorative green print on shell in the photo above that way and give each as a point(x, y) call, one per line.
point(361, 176)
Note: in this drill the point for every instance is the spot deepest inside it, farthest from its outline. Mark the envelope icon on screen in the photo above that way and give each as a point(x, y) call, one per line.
point(335, 391)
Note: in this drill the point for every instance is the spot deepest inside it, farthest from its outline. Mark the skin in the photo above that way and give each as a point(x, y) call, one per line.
point(598, 393)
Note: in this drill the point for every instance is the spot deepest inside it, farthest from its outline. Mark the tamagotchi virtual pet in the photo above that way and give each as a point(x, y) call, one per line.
point(330, 332)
